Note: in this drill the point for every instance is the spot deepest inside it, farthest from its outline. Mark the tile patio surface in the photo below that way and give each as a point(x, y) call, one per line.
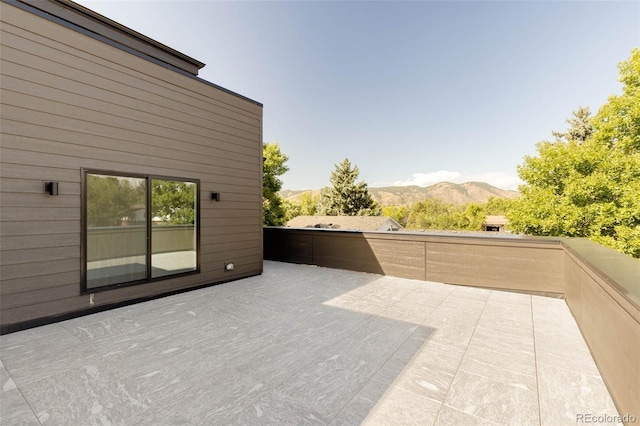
point(305, 345)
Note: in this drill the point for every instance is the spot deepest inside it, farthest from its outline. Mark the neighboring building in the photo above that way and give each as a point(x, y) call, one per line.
point(494, 224)
point(103, 130)
point(357, 223)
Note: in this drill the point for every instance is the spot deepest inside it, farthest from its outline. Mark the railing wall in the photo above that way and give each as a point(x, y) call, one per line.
point(601, 286)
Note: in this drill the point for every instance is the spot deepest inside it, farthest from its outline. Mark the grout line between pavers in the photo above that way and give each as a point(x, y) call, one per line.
point(475, 327)
point(535, 360)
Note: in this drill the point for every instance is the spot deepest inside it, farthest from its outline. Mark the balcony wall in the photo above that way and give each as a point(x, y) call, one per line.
point(601, 286)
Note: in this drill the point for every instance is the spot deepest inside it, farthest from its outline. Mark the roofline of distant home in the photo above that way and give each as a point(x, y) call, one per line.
point(183, 64)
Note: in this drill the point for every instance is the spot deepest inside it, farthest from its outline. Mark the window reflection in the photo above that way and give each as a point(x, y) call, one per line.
point(173, 227)
point(116, 230)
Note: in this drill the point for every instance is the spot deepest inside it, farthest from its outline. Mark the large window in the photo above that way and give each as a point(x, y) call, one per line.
point(138, 228)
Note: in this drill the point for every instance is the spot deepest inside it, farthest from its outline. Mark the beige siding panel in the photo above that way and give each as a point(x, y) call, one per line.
point(71, 103)
point(51, 308)
point(40, 268)
point(49, 227)
point(51, 85)
point(235, 245)
point(404, 259)
point(35, 186)
point(22, 242)
point(29, 256)
point(612, 334)
point(516, 268)
point(163, 167)
point(24, 109)
point(41, 295)
point(118, 34)
point(39, 214)
point(28, 284)
point(38, 146)
point(102, 56)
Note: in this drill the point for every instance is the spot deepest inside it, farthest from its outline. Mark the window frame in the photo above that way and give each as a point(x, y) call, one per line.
point(148, 212)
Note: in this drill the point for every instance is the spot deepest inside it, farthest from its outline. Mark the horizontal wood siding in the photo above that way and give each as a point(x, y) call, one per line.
point(496, 264)
point(520, 264)
point(611, 330)
point(71, 102)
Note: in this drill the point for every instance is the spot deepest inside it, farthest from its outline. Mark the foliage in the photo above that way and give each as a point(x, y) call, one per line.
point(346, 197)
point(591, 187)
point(399, 213)
point(618, 121)
point(437, 214)
point(173, 201)
point(112, 200)
point(309, 204)
point(580, 127)
point(273, 210)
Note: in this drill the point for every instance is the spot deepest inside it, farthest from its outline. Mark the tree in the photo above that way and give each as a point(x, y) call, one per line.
point(580, 127)
point(345, 197)
point(618, 121)
point(173, 201)
point(591, 187)
point(273, 166)
point(399, 213)
point(309, 204)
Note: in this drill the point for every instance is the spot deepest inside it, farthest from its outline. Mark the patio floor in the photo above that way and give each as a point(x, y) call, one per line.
point(305, 345)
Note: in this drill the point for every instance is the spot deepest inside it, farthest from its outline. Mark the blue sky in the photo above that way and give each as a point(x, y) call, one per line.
point(411, 92)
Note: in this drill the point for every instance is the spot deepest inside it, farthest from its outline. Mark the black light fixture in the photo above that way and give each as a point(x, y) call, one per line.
point(215, 196)
point(51, 188)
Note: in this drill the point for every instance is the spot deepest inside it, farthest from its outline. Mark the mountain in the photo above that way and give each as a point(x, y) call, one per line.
point(454, 193)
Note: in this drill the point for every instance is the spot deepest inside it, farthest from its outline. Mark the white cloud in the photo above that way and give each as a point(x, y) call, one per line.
point(426, 179)
point(503, 180)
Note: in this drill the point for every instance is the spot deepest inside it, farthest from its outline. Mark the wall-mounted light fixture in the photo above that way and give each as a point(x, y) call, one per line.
point(51, 188)
point(229, 266)
point(215, 196)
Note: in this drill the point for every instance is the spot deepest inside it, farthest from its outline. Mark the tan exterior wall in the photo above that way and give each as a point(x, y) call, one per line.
point(70, 102)
point(519, 264)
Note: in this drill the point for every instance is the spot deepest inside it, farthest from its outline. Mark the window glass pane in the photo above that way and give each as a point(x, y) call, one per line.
point(173, 227)
point(116, 230)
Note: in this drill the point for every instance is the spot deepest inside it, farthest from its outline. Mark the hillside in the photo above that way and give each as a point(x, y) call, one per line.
point(453, 193)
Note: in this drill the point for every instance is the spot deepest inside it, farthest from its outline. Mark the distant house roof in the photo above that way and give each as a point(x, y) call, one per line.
point(495, 220)
point(357, 223)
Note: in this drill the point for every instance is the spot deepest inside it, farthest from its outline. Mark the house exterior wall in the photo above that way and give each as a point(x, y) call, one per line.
point(72, 102)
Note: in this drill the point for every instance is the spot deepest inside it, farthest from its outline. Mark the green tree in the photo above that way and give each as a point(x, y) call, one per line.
point(617, 123)
point(112, 200)
point(589, 188)
point(173, 201)
point(346, 197)
point(432, 214)
point(274, 166)
point(309, 204)
point(399, 213)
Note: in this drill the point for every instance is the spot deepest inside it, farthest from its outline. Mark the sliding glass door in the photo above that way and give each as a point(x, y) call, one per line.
point(138, 228)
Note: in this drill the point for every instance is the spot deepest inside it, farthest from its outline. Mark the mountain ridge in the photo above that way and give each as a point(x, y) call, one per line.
point(454, 193)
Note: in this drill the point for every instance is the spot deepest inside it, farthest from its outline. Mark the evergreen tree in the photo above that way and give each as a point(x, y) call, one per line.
point(346, 197)
point(580, 127)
